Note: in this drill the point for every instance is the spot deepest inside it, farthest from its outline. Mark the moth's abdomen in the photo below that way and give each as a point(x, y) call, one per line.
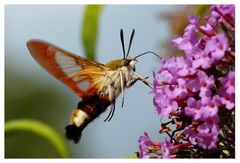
point(78, 122)
point(88, 109)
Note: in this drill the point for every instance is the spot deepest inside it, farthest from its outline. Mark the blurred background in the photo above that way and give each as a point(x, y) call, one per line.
point(30, 92)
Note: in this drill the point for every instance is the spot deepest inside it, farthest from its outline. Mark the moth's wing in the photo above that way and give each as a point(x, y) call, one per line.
point(67, 67)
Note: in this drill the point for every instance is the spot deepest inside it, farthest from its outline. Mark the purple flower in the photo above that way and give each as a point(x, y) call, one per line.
point(225, 9)
point(208, 140)
point(175, 67)
point(191, 133)
point(180, 90)
point(210, 28)
point(166, 149)
point(189, 39)
point(209, 124)
point(205, 134)
point(201, 111)
point(216, 47)
point(164, 105)
point(206, 83)
point(144, 142)
point(191, 89)
point(147, 146)
point(213, 49)
point(226, 13)
point(228, 83)
point(210, 109)
point(193, 109)
point(202, 83)
point(226, 93)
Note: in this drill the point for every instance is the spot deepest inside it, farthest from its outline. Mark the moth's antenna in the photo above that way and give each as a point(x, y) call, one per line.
point(122, 41)
point(130, 42)
point(148, 52)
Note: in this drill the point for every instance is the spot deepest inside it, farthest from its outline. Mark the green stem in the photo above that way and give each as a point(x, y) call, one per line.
point(90, 28)
point(40, 129)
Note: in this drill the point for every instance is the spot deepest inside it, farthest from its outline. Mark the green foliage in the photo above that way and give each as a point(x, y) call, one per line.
point(201, 9)
point(40, 129)
point(132, 157)
point(90, 29)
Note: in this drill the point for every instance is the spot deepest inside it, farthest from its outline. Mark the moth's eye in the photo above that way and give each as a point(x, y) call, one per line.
point(132, 64)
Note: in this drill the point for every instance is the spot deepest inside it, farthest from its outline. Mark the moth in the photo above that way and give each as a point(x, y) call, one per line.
point(98, 85)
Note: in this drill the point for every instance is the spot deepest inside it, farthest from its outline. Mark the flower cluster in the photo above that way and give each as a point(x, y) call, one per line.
point(197, 90)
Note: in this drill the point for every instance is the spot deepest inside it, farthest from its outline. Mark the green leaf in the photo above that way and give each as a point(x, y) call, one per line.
point(40, 129)
point(132, 157)
point(90, 29)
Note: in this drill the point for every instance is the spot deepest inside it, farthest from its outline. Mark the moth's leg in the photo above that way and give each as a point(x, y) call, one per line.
point(122, 87)
point(108, 115)
point(143, 80)
point(111, 113)
point(134, 81)
point(113, 110)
